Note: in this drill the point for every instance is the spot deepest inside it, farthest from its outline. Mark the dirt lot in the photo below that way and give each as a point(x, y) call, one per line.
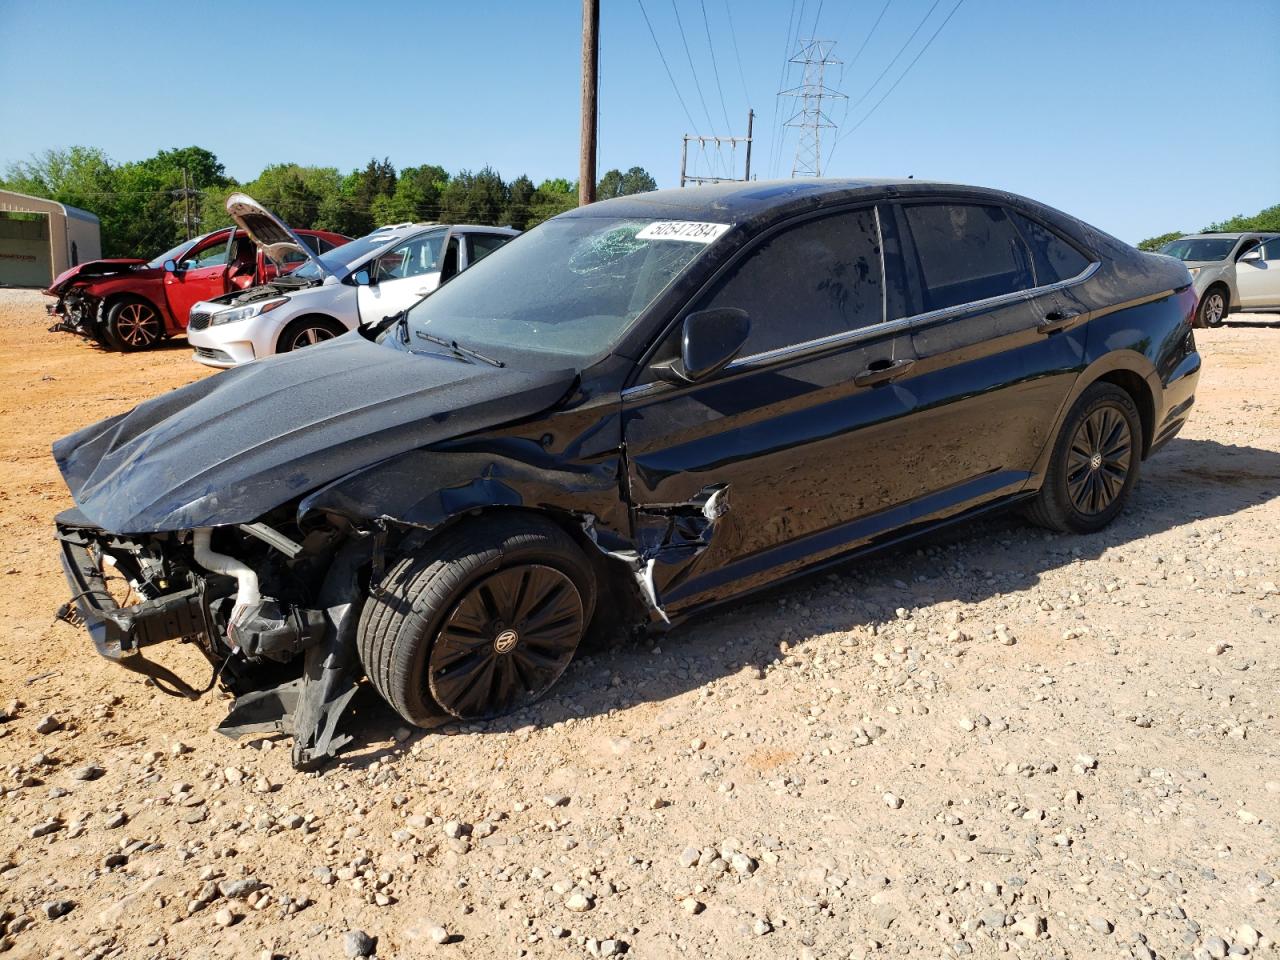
point(999, 742)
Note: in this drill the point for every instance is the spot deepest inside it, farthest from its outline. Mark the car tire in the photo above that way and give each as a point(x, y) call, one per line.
point(1213, 307)
point(133, 324)
point(306, 331)
point(479, 622)
point(1094, 465)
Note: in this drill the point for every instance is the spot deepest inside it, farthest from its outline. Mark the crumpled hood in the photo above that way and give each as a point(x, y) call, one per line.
point(93, 268)
point(233, 446)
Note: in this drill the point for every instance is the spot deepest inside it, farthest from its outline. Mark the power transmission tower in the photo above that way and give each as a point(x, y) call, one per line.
point(686, 177)
point(811, 119)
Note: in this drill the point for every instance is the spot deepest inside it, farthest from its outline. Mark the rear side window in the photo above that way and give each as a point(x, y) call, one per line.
point(1271, 249)
point(483, 244)
point(812, 280)
point(1055, 259)
point(967, 252)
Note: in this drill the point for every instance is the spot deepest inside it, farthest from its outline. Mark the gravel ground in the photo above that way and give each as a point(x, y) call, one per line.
point(996, 742)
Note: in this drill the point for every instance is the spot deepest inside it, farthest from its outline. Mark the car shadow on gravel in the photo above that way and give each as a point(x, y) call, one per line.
point(1190, 479)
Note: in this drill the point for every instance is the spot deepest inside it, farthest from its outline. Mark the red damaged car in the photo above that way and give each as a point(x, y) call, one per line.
point(133, 304)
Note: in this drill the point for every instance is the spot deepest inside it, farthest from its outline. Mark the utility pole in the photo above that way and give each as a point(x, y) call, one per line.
point(811, 119)
point(686, 177)
point(186, 203)
point(590, 80)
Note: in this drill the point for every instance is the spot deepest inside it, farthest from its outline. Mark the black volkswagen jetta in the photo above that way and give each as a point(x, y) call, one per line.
point(635, 411)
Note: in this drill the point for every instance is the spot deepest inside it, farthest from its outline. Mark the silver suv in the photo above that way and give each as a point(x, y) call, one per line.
point(1230, 272)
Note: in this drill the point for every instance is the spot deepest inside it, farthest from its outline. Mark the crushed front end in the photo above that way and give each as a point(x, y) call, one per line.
point(250, 596)
point(77, 311)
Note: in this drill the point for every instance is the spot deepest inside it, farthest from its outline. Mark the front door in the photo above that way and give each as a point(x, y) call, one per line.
point(401, 277)
point(797, 449)
point(201, 275)
point(1258, 281)
point(998, 346)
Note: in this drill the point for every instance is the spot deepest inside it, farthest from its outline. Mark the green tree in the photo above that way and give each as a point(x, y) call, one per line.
point(615, 183)
point(1155, 243)
point(474, 198)
point(519, 199)
point(551, 198)
point(416, 197)
point(1263, 220)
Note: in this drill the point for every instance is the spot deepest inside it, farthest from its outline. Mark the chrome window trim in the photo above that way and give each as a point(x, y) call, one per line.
point(759, 360)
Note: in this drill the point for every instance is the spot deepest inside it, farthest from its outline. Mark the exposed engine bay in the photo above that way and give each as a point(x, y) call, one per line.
point(251, 597)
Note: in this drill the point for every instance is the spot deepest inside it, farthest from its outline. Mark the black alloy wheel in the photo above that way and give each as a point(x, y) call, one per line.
point(1098, 460)
point(1093, 465)
point(506, 642)
point(479, 621)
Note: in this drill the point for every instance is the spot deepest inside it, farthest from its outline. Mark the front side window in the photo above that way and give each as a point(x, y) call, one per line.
point(569, 287)
point(413, 259)
point(213, 255)
point(813, 280)
point(967, 252)
point(1055, 259)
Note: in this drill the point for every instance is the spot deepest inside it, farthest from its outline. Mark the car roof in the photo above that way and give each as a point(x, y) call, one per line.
point(1214, 235)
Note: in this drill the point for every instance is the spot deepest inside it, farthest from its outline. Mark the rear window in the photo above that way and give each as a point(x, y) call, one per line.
point(967, 252)
point(1055, 259)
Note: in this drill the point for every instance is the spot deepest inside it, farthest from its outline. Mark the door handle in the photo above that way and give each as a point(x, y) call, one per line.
point(1056, 320)
point(883, 371)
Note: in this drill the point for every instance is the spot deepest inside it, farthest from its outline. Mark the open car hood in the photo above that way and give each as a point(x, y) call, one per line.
point(271, 234)
point(231, 447)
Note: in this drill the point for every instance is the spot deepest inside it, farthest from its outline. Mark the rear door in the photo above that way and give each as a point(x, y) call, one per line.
point(798, 446)
point(201, 275)
point(1258, 281)
point(997, 342)
point(402, 276)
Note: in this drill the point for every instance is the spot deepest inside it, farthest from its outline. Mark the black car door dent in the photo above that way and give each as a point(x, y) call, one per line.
point(792, 453)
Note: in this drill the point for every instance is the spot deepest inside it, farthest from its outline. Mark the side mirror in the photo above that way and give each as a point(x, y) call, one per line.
point(170, 267)
point(710, 339)
point(1254, 255)
point(363, 278)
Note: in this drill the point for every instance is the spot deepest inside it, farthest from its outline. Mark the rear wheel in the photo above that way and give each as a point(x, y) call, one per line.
point(306, 331)
point(1094, 463)
point(133, 324)
point(480, 622)
point(1213, 307)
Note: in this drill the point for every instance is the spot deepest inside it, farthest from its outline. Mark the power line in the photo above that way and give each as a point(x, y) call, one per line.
point(714, 68)
point(689, 56)
point(866, 40)
point(901, 51)
point(894, 85)
point(688, 116)
point(733, 35)
point(883, 11)
point(775, 145)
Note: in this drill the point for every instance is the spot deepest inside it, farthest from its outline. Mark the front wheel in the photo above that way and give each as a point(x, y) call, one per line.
point(1094, 464)
point(133, 325)
point(480, 622)
point(306, 331)
point(1213, 307)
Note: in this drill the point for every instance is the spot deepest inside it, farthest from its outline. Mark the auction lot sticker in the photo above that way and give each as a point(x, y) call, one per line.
point(690, 231)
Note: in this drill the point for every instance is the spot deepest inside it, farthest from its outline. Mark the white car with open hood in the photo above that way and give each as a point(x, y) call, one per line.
point(361, 282)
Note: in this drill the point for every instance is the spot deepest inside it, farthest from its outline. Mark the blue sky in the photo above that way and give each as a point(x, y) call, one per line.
point(1137, 116)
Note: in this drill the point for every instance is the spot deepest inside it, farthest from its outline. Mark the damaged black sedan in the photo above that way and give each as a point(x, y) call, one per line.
point(636, 411)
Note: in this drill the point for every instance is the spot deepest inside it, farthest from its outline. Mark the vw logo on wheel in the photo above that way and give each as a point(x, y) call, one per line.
point(505, 641)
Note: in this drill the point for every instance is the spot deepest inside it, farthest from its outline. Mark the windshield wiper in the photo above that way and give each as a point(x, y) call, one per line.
point(458, 349)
